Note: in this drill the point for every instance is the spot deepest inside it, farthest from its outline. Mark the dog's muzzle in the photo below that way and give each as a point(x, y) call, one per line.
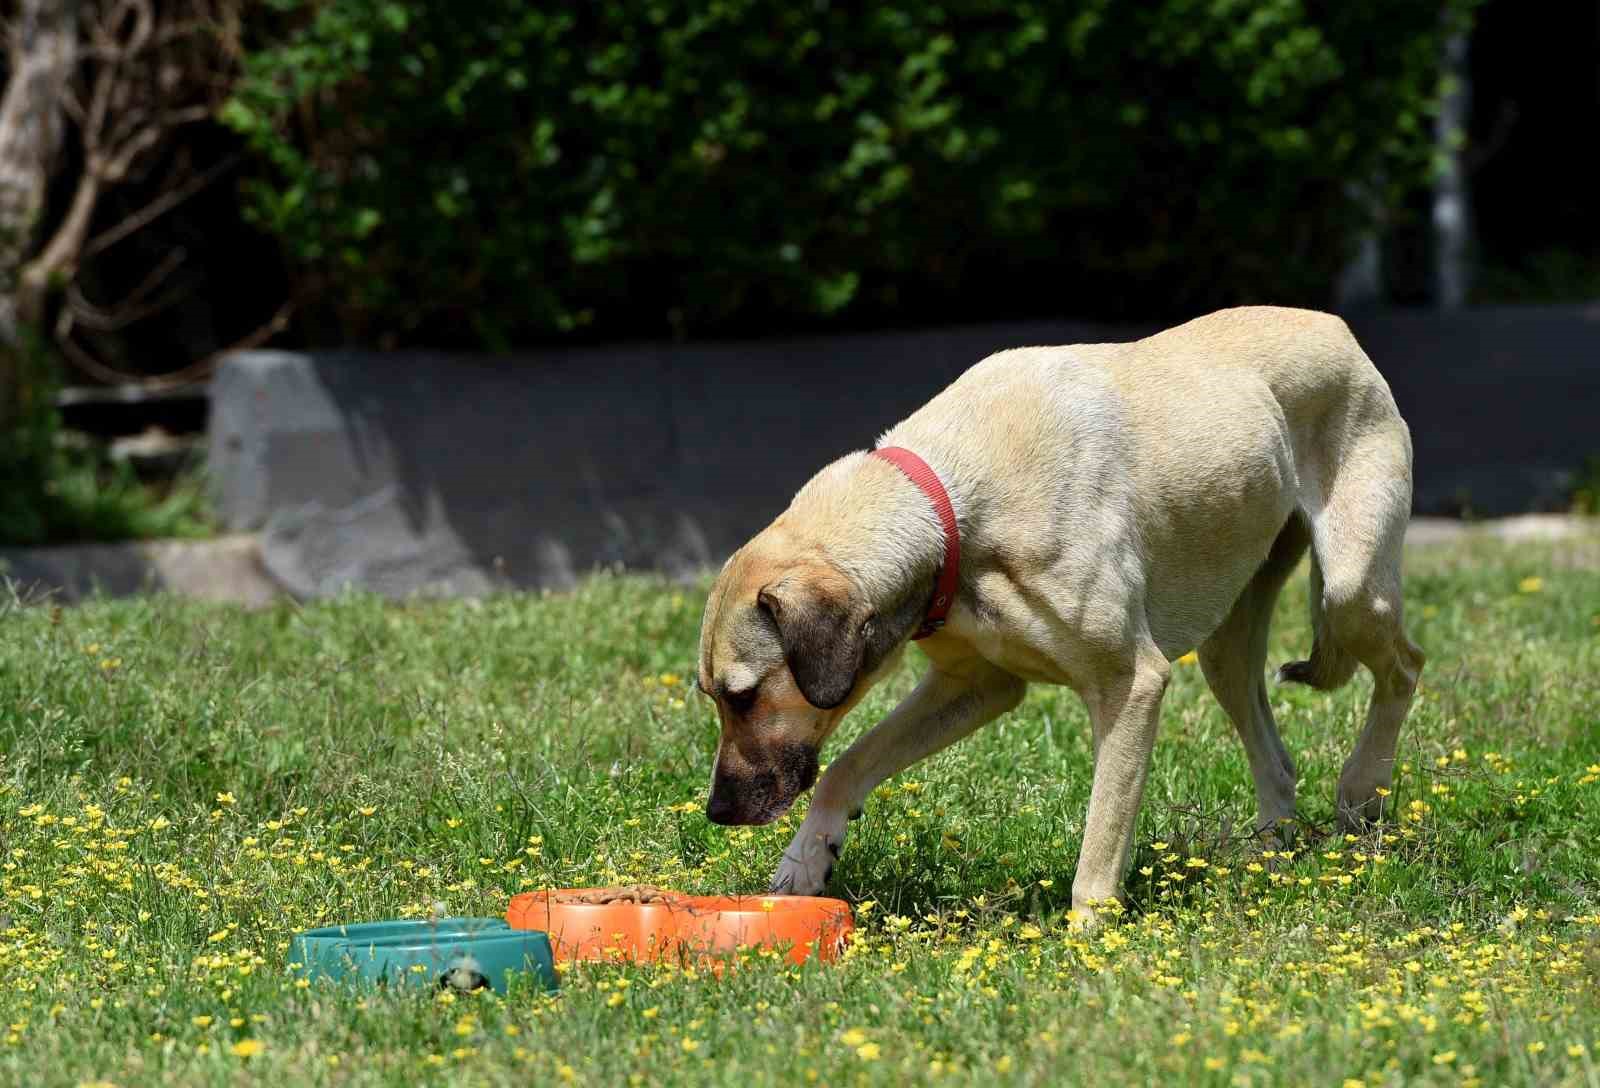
point(759, 796)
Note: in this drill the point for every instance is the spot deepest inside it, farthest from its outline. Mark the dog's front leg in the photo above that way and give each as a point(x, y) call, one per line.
point(952, 700)
point(1124, 709)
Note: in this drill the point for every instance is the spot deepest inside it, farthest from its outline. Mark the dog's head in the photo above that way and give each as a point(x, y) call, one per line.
point(787, 647)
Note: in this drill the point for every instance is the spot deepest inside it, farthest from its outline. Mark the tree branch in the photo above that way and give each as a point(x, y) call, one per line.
point(136, 72)
point(158, 207)
point(79, 310)
point(195, 371)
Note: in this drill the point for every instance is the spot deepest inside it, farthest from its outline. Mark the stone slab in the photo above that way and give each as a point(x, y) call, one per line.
point(220, 569)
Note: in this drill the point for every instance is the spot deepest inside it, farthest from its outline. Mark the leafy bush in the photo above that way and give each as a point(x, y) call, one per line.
point(505, 172)
point(1586, 488)
point(53, 492)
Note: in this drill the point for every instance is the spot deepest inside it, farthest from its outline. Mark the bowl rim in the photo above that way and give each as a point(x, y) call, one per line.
point(508, 936)
point(465, 923)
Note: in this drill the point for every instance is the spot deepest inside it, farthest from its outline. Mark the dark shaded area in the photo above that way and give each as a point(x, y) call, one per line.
point(231, 278)
point(107, 412)
point(1533, 156)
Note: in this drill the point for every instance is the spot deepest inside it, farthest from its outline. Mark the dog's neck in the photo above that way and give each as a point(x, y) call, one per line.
point(878, 528)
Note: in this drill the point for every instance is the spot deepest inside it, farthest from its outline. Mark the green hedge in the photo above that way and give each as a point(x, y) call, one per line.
point(502, 172)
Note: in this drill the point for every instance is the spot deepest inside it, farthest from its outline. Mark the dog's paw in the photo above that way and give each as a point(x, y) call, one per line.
point(1363, 799)
point(1085, 921)
point(1089, 916)
point(1360, 812)
point(1279, 834)
point(807, 864)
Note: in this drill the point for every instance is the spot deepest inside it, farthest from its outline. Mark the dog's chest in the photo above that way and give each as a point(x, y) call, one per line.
point(1029, 649)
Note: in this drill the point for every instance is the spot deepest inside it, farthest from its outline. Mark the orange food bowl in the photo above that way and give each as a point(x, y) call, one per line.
point(720, 924)
point(613, 923)
point(582, 927)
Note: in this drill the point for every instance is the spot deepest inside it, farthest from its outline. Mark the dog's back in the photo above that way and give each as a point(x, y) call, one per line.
point(1230, 391)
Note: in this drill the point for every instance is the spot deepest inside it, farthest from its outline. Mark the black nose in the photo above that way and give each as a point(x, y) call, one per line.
point(720, 808)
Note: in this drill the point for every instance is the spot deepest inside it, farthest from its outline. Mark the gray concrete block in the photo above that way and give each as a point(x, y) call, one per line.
point(419, 472)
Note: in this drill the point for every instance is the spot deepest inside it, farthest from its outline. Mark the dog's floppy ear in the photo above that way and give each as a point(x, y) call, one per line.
point(824, 633)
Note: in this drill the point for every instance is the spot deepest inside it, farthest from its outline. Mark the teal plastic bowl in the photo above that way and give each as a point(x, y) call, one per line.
point(315, 953)
point(436, 961)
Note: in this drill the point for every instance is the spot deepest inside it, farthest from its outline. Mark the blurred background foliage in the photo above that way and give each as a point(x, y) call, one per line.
point(659, 167)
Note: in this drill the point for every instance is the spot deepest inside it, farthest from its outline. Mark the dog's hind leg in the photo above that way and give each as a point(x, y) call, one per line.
point(1365, 617)
point(1234, 661)
point(1356, 539)
point(953, 699)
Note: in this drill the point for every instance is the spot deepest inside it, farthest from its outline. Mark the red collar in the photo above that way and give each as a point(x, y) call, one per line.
point(944, 590)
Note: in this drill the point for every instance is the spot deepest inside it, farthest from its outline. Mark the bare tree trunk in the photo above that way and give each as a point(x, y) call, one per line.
point(43, 53)
point(1452, 210)
point(1360, 283)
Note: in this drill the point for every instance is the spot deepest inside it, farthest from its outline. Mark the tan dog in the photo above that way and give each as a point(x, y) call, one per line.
point(1118, 505)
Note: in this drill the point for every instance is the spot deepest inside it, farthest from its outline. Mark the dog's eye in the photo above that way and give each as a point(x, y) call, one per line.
point(740, 702)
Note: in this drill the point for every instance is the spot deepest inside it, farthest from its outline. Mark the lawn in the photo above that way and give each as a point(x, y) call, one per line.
point(182, 787)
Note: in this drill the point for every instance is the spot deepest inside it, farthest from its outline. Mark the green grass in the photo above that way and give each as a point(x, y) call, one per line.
point(183, 787)
point(56, 490)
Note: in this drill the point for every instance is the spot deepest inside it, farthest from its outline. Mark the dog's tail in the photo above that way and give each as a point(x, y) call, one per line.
point(1329, 666)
